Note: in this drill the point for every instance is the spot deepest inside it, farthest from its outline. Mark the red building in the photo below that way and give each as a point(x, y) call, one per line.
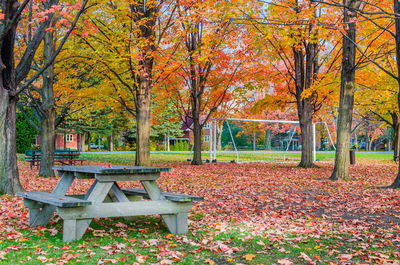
point(71, 140)
point(187, 129)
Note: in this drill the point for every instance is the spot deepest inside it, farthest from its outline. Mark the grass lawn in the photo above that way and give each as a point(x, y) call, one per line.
point(253, 213)
point(157, 158)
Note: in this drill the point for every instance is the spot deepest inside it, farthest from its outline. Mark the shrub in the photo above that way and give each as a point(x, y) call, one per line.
point(180, 146)
point(26, 133)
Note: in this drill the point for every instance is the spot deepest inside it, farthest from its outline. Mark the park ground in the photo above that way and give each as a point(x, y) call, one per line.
point(253, 213)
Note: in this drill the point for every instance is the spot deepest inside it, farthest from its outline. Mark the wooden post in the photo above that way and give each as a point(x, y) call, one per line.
point(42, 217)
point(176, 223)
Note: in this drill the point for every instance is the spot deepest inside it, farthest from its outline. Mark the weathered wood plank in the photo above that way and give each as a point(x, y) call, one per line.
point(69, 230)
point(168, 195)
point(63, 184)
point(155, 194)
point(117, 194)
point(127, 177)
point(181, 223)
point(97, 194)
point(58, 201)
point(110, 170)
point(124, 209)
point(38, 217)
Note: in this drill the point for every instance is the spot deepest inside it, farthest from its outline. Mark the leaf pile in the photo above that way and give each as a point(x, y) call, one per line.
point(252, 213)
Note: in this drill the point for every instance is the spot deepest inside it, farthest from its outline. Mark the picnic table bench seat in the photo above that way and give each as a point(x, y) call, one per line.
point(64, 157)
point(168, 195)
point(58, 201)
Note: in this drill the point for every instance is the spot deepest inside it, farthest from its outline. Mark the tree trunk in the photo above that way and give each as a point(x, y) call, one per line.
point(268, 138)
point(367, 139)
point(346, 102)
point(143, 129)
point(304, 74)
point(89, 141)
point(306, 126)
point(396, 8)
point(168, 145)
point(82, 147)
point(111, 142)
point(196, 106)
point(48, 110)
point(9, 180)
point(47, 149)
point(396, 135)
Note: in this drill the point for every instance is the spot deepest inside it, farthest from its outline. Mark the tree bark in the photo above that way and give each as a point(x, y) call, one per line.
point(347, 86)
point(89, 141)
point(168, 145)
point(145, 14)
point(9, 178)
point(81, 146)
point(48, 110)
point(111, 142)
point(396, 135)
point(306, 126)
point(196, 106)
point(65, 140)
point(396, 8)
point(9, 181)
point(367, 139)
point(143, 130)
point(306, 69)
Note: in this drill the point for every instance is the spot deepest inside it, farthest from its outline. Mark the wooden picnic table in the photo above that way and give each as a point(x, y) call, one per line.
point(64, 157)
point(78, 213)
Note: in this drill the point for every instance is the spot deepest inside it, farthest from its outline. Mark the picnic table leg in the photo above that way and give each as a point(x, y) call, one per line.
point(176, 223)
point(39, 217)
point(117, 195)
point(74, 229)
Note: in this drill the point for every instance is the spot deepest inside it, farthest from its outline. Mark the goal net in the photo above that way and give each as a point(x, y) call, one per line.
point(252, 140)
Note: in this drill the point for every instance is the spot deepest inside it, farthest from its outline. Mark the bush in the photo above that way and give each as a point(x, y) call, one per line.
point(26, 133)
point(180, 146)
point(126, 147)
point(35, 147)
point(154, 146)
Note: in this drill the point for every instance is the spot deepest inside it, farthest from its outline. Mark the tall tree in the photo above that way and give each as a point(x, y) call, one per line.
point(12, 77)
point(128, 54)
point(293, 45)
point(347, 86)
point(214, 54)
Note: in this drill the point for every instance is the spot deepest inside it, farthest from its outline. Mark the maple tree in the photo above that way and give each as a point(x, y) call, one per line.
point(41, 96)
point(300, 61)
point(211, 60)
point(14, 71)
point(125, 50)
point(386, 29)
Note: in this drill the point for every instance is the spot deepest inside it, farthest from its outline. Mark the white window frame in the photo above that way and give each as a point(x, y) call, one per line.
point(206, 126)
point(206, 138)
point(69, 138)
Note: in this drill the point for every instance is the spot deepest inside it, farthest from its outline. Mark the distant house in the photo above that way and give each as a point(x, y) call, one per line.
point(187, 129)
point(71, 140)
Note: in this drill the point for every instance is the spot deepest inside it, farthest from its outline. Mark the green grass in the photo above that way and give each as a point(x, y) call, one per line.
point(147, 236)
point(129, 158)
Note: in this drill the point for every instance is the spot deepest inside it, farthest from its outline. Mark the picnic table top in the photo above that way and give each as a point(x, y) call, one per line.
point(109, 170)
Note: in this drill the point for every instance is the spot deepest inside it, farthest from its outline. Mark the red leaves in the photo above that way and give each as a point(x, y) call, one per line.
point(270, 205)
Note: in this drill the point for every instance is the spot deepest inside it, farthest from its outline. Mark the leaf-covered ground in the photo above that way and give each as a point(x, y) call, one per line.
point(258, 213)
